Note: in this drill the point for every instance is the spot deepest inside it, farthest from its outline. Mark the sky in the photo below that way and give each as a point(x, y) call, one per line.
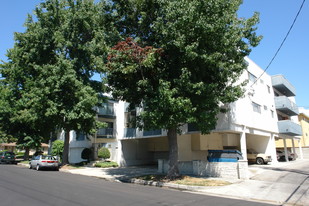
point(276, 17)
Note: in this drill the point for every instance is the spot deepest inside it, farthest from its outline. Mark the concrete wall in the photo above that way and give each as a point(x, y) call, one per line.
point(232, 170)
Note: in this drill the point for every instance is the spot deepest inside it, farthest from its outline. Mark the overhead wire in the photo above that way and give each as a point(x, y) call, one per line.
point(286, 36)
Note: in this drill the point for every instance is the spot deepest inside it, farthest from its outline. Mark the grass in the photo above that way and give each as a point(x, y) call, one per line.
point(24, 162)
point(185, 180)
point(106, 164)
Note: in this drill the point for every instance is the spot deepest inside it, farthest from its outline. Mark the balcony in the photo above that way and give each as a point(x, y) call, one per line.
point(107, 111)
point(105, 133)
point(289, 128)
point(286, 106)
point(283, 85)
point(129, 132)
point(192, 127)
point(152, 132)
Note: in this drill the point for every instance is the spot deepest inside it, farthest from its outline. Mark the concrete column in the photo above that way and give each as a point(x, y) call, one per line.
point(300, 150)
point(285, 150)
point(243, 143)
point(273, 148)
point(293, 148)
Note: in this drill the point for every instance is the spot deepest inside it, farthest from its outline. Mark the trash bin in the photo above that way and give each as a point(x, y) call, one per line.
point(224, 156)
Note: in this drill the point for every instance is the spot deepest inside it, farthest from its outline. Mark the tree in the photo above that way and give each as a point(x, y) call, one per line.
point(51, 65)
point(180, 61)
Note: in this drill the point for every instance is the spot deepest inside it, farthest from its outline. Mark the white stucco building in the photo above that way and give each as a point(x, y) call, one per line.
point(251, 123)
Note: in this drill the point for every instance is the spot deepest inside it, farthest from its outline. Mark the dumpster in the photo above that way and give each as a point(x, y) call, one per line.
point(224, 156)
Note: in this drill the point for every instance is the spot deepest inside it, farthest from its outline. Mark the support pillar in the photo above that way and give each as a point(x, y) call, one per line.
point(300, 150)
point(293, 149)
point(243, 143)
point(273, 149)
point(285, 150)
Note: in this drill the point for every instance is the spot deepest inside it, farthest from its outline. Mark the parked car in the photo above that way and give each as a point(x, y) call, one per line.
point(44, 162)
point(7, 157)
point(258, 158)
point(281, 155)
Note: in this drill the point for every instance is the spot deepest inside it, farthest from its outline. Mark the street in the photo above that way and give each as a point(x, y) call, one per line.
point(20, 186)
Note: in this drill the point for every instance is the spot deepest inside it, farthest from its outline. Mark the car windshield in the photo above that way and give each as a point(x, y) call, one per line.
point(9, 153)
point(48, 157)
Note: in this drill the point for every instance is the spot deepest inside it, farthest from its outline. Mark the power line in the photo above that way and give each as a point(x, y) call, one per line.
point(286, 36)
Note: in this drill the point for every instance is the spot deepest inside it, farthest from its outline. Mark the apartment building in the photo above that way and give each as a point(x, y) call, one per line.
point(289, 129)
point(251, 124)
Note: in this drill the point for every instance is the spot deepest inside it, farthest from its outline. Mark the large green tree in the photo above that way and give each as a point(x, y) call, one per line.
point(51, 65)
point(180, 60)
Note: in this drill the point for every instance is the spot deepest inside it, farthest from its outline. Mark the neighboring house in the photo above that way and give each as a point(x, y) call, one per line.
point(289, 128)
point(12, 147)
point(303, 119)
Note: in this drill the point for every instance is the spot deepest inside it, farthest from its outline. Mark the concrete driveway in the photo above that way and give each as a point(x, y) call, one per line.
point(285, 183)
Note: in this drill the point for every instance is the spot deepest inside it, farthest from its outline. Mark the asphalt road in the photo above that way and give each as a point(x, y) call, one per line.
point(20, 186)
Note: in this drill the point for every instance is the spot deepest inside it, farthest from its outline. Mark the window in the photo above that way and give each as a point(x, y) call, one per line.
point(256, 107)
point(80, 136)
point(268, 89)
point(272, 113)
point(251, 77)
point(262, 81)
point(265, 107)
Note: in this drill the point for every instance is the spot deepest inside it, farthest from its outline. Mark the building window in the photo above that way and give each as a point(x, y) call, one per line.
point(80, 136)
point(268, 89)
point(251, 77)
point(256, 107)
point(272, 113)
point(265, 107)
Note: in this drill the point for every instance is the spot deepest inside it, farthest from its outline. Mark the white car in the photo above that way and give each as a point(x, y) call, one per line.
point(258, 158)
point(44, 161)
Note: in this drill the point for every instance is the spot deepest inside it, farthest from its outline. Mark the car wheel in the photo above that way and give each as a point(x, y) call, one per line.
point(259, 161)
point(30, 166)
point(57, 169)
point(37, 168)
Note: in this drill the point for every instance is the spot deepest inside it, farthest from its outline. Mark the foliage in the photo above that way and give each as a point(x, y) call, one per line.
point(104, 153)
point(57, 148)
point(106, 164)
point(48, 75)
point(86, 154)
point(181, 60)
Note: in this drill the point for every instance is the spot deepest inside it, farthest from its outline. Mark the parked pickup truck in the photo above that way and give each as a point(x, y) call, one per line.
point(258, 158)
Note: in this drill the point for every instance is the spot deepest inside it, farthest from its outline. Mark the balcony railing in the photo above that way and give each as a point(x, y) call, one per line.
point(283, 104)
point(105, 133)
point(129, 132)
point(283, 85)
point(106, 110)
point(192, 127)
point(289, 128)
point(152, 132)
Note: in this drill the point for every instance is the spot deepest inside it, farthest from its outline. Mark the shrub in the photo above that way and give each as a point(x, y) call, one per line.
point(106, 164)
point(57, 148)
point(104, 153)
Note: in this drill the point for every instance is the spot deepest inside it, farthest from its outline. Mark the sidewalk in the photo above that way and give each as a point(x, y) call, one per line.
point(262, 186)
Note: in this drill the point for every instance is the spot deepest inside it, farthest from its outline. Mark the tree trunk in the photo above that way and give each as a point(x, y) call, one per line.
point(26, 155)
point(65, 155)
point(173, 171)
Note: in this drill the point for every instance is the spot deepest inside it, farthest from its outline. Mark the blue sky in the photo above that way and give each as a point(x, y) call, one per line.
point(276, 17)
